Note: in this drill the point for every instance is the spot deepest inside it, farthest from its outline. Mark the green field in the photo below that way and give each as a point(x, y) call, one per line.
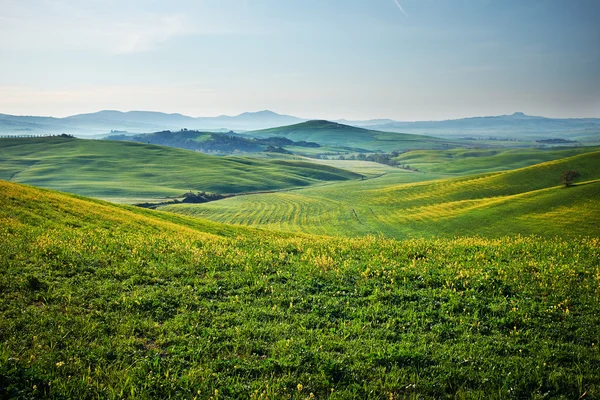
point(477, 161)
point(106, 301)
point(475, 277)
point(130, 172)
point(404, 204)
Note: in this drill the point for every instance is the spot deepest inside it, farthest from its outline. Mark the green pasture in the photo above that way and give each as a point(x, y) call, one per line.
point(477, 161)
point(117, 302)
point(124, 170)
point(405, 204)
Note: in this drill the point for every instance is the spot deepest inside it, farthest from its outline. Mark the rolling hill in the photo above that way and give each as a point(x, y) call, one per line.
point(131, 172)
point(213, 142)
point(345, 137)
point(477, 161)
point(107, 301)
point(529, 200)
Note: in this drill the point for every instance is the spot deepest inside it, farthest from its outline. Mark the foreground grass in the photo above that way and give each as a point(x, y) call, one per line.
point(120, 171)
point(100, 301)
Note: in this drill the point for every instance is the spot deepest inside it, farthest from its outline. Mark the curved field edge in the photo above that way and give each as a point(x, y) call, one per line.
point(525, 201)
point(122, 170)
point(112, 302)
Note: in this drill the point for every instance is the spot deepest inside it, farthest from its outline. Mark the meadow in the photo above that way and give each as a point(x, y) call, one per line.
point(107, 301)
point(133, 172)
point(478, 161)
point(405, 204)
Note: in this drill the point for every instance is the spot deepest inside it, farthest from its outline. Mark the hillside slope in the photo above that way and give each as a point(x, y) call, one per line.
point(339, 135)
point(478, 161)
point(124, 171)
point(526, 200)
point(105, 301)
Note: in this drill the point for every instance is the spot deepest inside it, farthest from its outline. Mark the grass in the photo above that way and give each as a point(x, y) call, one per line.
point(106, 301)
point(477, 161)
point(404, 204)
point(122, 170)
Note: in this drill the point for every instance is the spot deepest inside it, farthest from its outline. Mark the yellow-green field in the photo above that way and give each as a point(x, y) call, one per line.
point(528, 200)
point(126, 172)
point(477, 161)
point(106, 301)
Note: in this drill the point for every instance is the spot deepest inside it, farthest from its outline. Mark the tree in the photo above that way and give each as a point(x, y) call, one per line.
point(568, 177)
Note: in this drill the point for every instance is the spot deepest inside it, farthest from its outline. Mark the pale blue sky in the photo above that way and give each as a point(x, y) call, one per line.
point(354, 59)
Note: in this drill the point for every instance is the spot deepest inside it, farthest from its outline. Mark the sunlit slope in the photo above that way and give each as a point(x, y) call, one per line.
point(476, 161)
point(338, 135)
point(23, 205)
point(527, 200)
point(104, 301)
point(122, 170)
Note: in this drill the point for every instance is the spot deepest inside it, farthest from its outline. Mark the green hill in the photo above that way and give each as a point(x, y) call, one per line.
point(347, 137)
point(106, 301)
point(211, 142)
point(129, 172)
point(527, 200)
point(477, 161)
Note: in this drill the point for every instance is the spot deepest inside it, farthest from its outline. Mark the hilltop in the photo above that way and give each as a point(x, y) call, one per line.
point(345, 137)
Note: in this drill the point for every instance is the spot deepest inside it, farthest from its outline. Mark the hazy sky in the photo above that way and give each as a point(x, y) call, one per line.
point(354, 59)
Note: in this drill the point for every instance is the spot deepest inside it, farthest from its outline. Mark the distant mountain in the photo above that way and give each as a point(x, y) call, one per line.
point(514, 126)
point(107, 121)
point(250, 120)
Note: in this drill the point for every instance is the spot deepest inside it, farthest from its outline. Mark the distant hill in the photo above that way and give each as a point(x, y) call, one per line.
point(350, 137)
point(104, 122)
point(517, 125)
point(132, 172)
point(213, 142)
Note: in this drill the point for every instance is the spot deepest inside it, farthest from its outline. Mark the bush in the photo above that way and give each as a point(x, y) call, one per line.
point(568, 177)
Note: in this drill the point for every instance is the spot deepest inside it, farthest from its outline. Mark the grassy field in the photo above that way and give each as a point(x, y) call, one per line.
point(404, 204)
point(105, 301)
point(477, 161)
point(127, 172)
point(339, 137)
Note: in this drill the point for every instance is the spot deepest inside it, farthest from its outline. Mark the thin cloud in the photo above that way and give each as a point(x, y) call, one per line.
point(400, 7)
point(74, 25)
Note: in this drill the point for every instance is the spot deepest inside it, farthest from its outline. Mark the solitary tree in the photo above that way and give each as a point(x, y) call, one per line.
point(568, 177)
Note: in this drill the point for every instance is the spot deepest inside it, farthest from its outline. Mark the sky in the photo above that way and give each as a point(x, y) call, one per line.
point(355, 59)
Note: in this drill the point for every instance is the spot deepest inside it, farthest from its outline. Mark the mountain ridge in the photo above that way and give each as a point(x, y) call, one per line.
point(516, 125)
